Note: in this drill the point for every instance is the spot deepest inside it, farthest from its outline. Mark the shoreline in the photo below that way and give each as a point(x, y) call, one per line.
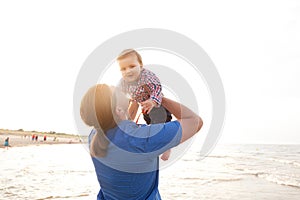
point(25, 138)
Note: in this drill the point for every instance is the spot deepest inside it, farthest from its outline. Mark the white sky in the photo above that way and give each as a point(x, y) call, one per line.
point(255, 46)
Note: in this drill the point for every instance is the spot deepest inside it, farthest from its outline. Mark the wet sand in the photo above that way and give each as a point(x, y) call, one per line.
point(24, 138)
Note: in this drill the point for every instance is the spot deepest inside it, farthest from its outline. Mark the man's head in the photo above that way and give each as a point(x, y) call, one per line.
point(103, 106)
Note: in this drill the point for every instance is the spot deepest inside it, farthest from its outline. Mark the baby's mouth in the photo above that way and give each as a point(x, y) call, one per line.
point(130, 78)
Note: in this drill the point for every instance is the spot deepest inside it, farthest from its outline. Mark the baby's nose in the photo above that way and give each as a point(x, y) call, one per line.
point(128, 70)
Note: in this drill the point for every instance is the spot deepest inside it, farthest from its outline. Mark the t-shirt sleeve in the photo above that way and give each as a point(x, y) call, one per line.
point(163, 137)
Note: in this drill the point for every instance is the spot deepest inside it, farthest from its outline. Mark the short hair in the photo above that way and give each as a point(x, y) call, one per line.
point(130, 52)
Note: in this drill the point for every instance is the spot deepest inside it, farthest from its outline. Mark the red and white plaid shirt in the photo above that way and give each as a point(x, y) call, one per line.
point(147, 86)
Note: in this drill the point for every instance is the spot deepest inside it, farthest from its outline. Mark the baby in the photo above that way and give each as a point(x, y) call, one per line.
point(144, 88)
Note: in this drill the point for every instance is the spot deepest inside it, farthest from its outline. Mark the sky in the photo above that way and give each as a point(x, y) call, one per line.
point(254, 45)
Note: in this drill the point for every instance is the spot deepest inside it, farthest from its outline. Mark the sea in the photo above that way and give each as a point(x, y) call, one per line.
point(245, 171)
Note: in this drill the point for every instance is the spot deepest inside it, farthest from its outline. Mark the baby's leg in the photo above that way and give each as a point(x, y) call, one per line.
point(147, 118)
point(159, 115)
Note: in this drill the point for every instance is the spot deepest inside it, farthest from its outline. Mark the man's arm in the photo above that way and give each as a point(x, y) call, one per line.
point(190, 122)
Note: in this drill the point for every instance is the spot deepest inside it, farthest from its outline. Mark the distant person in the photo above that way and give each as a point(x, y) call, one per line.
point(45, 138)
point(125, 154)
point(36, 137)
point(33, 137)
point(6, 143)
point(144, 88)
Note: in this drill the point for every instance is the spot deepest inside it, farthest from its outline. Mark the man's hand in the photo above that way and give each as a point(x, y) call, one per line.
point(148, 105)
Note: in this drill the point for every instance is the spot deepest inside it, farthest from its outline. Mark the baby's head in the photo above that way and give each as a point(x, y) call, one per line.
point(131, 64)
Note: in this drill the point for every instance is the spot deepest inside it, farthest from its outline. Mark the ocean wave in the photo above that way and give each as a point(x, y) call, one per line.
point(67, 197)
point(216, 156)
point(289, 162)
point(257, 174)
point(225, 179)
point(279, 180)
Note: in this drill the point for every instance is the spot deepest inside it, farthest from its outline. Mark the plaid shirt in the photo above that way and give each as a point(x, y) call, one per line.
point(148, 86)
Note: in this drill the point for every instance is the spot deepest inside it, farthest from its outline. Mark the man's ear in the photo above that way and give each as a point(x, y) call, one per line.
point(119, 111)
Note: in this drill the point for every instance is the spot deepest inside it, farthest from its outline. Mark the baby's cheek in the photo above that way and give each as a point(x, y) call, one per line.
point(137, 70)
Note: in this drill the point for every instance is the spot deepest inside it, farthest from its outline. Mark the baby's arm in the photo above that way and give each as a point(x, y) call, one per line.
point(133, 108)
point(152, 86)
point(154, 90)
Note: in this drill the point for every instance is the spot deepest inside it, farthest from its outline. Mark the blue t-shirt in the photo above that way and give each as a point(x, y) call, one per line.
point(130, 168)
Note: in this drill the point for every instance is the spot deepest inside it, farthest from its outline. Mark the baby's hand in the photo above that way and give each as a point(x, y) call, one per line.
point(148, 105)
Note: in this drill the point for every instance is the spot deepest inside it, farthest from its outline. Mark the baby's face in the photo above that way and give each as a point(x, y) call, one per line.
point(130, 68)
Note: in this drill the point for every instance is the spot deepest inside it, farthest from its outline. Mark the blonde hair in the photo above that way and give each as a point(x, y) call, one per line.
point(130, 52)
point(97, 107)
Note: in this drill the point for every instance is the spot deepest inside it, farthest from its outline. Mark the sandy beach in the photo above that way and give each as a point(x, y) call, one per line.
point(18, 138)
